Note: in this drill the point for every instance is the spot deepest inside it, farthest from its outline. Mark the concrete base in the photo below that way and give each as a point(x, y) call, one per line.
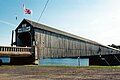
point(36, 62)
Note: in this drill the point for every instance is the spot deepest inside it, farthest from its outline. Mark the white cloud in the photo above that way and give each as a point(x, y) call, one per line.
point(104, 24)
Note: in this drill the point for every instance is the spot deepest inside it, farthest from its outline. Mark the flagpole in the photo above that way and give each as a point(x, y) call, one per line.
point(23, 5)
point(31, 15)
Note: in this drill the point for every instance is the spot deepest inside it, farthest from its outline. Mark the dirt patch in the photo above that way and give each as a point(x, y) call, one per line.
point(58, 73)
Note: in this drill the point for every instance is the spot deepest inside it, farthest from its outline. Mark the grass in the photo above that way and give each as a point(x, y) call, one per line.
point(58, 66)
point(77, 66)
point(105, 67)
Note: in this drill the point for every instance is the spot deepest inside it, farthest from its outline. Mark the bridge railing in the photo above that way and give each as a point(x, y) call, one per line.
point(15, 49)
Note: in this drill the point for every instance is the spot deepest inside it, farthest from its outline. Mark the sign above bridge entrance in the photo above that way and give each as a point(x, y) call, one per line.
point(24, 28)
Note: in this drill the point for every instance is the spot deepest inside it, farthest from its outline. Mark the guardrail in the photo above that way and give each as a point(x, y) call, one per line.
point(15, 49)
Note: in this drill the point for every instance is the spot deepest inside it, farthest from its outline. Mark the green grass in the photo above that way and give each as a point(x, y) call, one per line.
point(97, 67)
point(58, 66)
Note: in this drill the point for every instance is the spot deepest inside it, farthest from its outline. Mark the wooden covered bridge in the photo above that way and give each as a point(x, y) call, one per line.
point(36, 41)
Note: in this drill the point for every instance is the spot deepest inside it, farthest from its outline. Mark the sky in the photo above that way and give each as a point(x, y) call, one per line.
point(97, 20)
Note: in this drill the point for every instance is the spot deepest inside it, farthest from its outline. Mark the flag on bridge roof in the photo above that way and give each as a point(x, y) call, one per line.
point(26, 10)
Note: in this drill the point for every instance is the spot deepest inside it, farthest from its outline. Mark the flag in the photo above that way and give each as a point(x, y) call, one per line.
point(26, 10)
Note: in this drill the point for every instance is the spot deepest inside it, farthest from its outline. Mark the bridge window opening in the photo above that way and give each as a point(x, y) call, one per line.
point(24, 39)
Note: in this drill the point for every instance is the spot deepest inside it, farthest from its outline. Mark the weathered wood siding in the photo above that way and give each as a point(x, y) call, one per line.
point(51, 42)
point(53, 45)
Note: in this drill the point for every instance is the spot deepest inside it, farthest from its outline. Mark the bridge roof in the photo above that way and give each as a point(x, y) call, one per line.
point(48, 28)
point(45, 27)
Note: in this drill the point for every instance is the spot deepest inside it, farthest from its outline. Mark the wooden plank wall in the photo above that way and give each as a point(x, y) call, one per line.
point(53, 45)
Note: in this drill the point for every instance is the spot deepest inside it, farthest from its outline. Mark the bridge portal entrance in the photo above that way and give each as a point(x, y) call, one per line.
point(24, 35)
point(24, 39)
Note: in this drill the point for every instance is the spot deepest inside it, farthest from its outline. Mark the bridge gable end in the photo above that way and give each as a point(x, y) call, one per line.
point(24, 23)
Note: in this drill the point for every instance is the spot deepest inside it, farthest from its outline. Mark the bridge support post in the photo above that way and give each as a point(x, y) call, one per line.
point(36, 62)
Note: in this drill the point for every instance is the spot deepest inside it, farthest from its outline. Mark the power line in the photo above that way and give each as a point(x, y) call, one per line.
point(43, 10)
point(5, 22)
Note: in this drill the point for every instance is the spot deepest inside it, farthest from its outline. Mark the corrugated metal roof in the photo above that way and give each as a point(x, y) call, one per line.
point(45, 27)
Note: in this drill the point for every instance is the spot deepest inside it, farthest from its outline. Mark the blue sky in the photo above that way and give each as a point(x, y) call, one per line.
point(97, 20)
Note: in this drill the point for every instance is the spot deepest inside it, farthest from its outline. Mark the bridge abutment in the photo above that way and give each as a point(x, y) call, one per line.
point(22, 60)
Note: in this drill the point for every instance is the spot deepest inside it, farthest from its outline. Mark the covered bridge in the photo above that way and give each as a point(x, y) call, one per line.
point(48, 42)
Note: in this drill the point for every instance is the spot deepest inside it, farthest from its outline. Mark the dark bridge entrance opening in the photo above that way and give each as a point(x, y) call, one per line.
point(24, 39)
